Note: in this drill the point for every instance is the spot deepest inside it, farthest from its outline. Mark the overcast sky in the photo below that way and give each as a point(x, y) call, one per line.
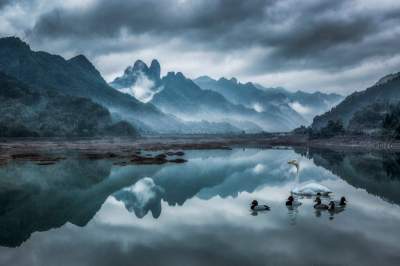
point(328, 45)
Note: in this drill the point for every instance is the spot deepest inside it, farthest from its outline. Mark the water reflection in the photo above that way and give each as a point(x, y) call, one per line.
point(198, 213)
point(142, 197)
point(38, 198)
point(376, 172)
point(293, 212)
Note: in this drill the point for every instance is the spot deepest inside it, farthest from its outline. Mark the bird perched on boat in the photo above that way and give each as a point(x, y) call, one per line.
point(319, 205)
point(292, 202)
point(255, 207)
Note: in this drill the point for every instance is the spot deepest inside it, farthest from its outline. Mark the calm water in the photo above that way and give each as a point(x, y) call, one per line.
point(80, 212)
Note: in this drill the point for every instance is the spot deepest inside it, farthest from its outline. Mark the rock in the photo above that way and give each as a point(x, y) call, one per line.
point(161, 156)
point(178, 153)
point(178, 160)
point(99, 156)
point(147, 160)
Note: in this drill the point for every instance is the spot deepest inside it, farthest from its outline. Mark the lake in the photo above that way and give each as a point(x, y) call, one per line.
point(93, 212)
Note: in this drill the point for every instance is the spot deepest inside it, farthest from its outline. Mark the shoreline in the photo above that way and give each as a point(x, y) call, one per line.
point(193, 142)
point(46, 151)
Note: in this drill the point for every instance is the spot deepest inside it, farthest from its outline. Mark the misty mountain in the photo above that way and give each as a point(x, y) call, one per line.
point(310, 105)
point(143, 83)
point(300, 107)
point(140, 81)
point(386, 91)
point(139, 72)
point(78, 77)
point(183, 98)
point(27, 112)
point(177, 95)
point(251, 97)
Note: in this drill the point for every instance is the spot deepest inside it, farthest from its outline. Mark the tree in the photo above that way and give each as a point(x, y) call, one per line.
point(333, 128)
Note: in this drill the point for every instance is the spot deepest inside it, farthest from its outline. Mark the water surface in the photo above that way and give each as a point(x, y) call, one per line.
point(91, 212)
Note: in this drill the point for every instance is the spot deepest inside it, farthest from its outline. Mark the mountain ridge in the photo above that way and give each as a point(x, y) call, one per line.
point(387, 92)
point(28, 112)
point(184, 98)
point(298, 106)
point(78, 77)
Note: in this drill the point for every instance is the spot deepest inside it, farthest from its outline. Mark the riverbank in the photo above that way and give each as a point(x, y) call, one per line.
point(46, 151)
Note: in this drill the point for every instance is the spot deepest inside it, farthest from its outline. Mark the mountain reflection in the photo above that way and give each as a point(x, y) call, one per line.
point(142, 197)
point(38, 198)
point(376, 172)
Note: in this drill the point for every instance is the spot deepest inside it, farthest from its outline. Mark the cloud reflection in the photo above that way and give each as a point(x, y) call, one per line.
point(213, 223)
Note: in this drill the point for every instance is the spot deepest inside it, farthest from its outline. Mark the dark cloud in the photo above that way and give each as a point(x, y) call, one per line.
point(326, 35)
point(4, 3)
point(108, 18)
point(7, 3)
point(252, 40)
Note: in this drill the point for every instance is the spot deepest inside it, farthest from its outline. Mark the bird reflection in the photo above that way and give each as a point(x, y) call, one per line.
point(292, 205)
point(292, 213)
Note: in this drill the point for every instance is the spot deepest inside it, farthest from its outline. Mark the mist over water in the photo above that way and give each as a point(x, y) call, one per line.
point(82, 212)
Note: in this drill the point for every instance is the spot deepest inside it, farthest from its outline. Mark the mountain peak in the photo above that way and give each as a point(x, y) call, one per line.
point(180, 75)
point(223, 80)
point(81, 59)
point(138, 72)
point(234, 80)
point(154, 71)
point(205, 79)
point(140, 65)
point(155, 68)
point(84, 64)
point(13, 42)
point(176, 75)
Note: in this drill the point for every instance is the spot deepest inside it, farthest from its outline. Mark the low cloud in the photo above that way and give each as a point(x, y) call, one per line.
point(259, 168)
point(144, 89)
point(258, 107)
point(301, 109)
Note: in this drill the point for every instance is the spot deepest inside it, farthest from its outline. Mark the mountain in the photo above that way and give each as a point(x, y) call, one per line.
point(250, 96)
point(142, 197)
point(78, 77)
point(72, 191)
point(27, 112)
point(310, 105)
point(133, 73)
point(387, 78)
point(385, 91)
point(182, 97)
point(140, 81)
point(143, 83)
point(298, 107)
